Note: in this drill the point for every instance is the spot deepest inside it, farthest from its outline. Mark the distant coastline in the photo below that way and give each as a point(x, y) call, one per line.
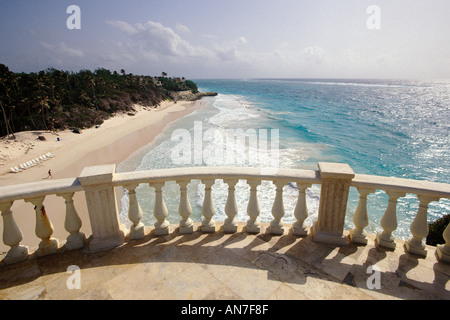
point(54, 100)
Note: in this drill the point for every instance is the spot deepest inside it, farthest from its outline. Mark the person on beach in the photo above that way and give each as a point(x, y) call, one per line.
point(49, 174)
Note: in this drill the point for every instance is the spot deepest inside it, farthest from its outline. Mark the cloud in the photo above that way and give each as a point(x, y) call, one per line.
point(154, 41)
point(123, 26)
point(156, 38)
point(242, 40)
point(386, 60)
point(314, 55)
point(229, 51)
point(208, 36)
point(63, 49)
point(182, 28)
point(297, 57)
point(287, 60)
point(226, 53)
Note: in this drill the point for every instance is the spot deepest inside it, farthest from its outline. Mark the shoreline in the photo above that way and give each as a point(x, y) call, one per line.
point(114, 141)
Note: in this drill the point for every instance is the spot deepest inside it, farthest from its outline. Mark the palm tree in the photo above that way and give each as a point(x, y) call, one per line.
point(6, 81)
point(9, 130)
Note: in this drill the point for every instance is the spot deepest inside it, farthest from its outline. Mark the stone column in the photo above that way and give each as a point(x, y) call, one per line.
point(361, 218)
point(107, 231)
point(253, 211)
point(443, 250)
point(44, 228)
point(137, 230)
point(72, 224)
point(385, 238)
point(208, 210)
point(276, 225)
point(301, 211)
point(336, 179)
point(419, 228)
point(231, 208)
point(160, 212)
point(12, 235)
point(185, 209)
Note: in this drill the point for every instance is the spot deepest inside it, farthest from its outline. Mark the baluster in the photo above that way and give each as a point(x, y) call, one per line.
point(389, 222)
point(160, 211)
point(72, 224)
point(253, 224)
point(231, 209)
point(443, 250)
point(44, 229)
point(137, 230)
point(12, 235)
point(301, 211)
point(276, 226)
point(185, 210)
point(208, 224)
point(419, 228)
point(361, 218)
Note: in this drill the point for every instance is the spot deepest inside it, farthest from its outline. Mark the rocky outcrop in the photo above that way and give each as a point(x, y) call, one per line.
point(189, 96)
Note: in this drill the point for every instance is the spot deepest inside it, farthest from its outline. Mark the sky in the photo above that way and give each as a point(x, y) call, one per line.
point(200, 39)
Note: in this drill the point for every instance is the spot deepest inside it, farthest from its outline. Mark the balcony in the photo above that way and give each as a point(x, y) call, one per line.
point(229, 259)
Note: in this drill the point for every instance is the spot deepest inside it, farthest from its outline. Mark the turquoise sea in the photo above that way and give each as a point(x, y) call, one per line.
point(383, 127)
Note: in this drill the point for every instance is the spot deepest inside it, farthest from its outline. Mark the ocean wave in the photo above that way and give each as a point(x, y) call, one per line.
point(358, 84)
point(234, 111)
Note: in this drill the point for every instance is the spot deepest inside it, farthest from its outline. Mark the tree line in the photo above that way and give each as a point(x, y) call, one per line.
point(56, 100)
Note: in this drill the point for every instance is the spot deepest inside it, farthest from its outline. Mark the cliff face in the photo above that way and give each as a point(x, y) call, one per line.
point(189, 96)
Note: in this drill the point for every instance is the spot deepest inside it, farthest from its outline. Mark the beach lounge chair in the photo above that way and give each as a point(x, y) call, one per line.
point(23, 166)
point(13, 170)
point(43, 158)
point(49, 155)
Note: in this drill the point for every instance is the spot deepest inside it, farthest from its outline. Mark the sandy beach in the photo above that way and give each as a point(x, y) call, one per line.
point(112, 142)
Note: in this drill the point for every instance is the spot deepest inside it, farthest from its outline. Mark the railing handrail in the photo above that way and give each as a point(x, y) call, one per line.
point(71, 185)
point(394, 184)
point(39, 189)
point(199, 173)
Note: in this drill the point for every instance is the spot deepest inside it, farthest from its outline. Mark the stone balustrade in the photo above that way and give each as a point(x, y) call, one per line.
point(35, 194)
point(98, 185)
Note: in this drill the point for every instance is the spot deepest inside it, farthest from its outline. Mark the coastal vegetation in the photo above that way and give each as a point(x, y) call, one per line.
point(56, 100)
point(436, 230)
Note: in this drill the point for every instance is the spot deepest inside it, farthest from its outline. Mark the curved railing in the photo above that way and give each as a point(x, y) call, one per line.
point(335, 180)
point(208, 175)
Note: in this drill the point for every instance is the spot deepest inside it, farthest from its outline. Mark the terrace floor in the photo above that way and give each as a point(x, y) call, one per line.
point(229, 266)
